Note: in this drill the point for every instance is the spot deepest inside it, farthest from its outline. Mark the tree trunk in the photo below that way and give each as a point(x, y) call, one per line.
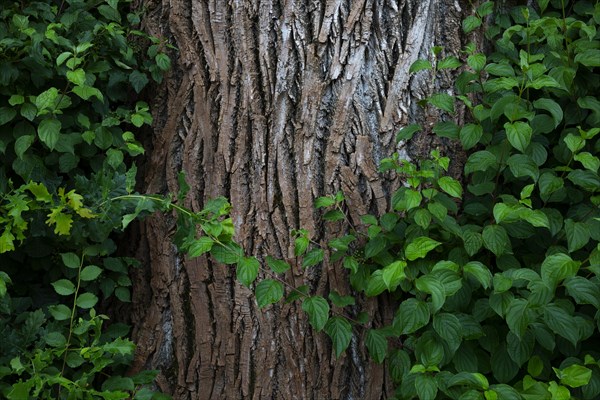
point(271, 104)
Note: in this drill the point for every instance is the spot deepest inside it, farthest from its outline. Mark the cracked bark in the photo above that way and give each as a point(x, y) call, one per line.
point(271, 104)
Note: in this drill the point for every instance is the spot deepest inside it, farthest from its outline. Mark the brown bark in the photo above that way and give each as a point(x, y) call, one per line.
point(271, 104)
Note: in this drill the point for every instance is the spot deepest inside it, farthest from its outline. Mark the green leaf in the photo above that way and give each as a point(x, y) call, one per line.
point(561, 322)
point(518, 316)
point(341, 301)
point(138, 80)
point(200, 246)
point(578, 234)
point(471, 23)
point(449, 62)
point(375, 246)
point(278, 266)
point(377, 345)
point(412, 315)
point(407, 132)
point(375, 285)
point(574, 143)
point(450, 186)
point(588, 180)
point(470, 135)
point(77, 77)
point(86, 300)
point(419, 65)
point(322, 202)
point(229, 254)
point(46, 100)
point(300, 245)
point(522, 165)
point(412, 199)
point(163, 61)
point(496, 239)
point(552, 107)
point(85, 92)
point(472, 242)
point(247, 270)
point(71, 260)
point(393, 274)
point(431, 285)
point(558, 267)
point(480, 161)
point(449, 328)
point(586, 159)
point(22, 144)
point(90, 273)
point(575, 375)
point(477, 61)
point(443, 101)
point(49, 132)
point(317, 309)
point(55, 339)
point(589, 58)
point(268, 291)
point(480, 272)
point(419, 247)
point(427, 387)
point(340, 332)
point(313, 257)
point(583, 291)
point(351, 264)
point(518, 134)
point(447, 129)
point(60, 312)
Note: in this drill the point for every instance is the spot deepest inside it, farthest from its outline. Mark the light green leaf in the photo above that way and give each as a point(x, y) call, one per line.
point(77, 77)
point(300, 245)
point(471, 23)
point(340, 332)
point(419, 247)
point(431, 285)
point(575, 375)
point(589, 58)
point(407, 132)
point(85, 92)
point(449, 62)
point(230, 254)
point(268, 291)
point(588, 160)
point(317, 309)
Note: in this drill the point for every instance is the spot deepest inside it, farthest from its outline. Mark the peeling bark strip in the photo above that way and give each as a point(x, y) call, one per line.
point(272, 103)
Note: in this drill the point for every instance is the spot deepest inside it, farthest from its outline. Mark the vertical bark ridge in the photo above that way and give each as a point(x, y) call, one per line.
point(272, 103)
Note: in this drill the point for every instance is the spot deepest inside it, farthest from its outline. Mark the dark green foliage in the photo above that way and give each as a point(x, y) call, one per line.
point(69, 77)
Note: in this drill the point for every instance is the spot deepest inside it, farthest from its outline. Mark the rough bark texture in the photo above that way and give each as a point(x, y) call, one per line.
point(271, 104)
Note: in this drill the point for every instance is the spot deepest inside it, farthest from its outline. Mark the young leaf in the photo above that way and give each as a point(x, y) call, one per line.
point(450, 186)
point(443, 101)
point(200, 246)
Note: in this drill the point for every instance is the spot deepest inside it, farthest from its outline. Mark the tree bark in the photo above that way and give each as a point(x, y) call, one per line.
point(271, 104)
